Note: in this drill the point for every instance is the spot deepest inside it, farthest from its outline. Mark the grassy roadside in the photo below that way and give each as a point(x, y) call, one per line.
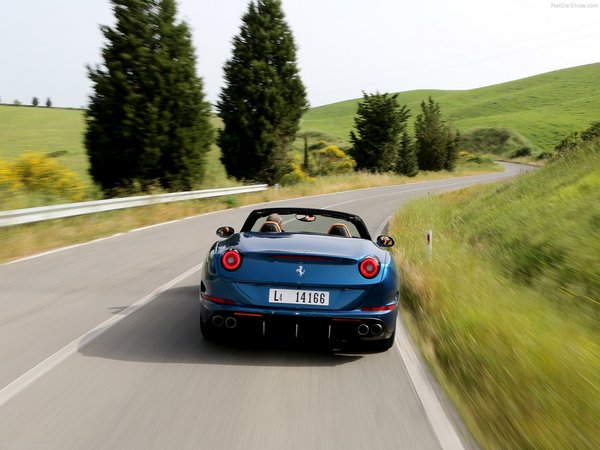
point(24, 240)
point(507, 309)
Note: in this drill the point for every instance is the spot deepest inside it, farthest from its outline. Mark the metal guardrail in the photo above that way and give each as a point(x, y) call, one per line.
point(30, 215)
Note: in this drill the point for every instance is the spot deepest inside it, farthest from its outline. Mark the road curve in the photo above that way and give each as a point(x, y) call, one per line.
point(100, 348)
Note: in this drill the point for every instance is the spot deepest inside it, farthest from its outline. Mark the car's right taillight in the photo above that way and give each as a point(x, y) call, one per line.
point(369, 267)
point(231, 260)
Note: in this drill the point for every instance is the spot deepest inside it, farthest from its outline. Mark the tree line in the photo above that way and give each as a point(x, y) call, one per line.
point(382, 143)
point(34, 102)
point(149, 124)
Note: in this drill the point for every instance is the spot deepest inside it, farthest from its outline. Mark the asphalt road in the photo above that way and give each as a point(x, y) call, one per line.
point(100, 348)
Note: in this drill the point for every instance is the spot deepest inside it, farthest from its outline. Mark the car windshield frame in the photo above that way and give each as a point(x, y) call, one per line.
point(258, 214)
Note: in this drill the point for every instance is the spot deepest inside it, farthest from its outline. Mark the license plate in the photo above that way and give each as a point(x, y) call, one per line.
point(296, 297)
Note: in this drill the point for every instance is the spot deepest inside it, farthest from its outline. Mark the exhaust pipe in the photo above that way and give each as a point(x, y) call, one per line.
point(376, 329)
point(217, 321)
point(363, 329)
point(230, 322)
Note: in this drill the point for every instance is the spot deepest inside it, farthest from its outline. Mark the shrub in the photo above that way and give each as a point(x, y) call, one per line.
point(568, 143)
point(37, 172)
point(479, 159)
point(498, 141)
point(592, 132)
point(520, 152)
point(573, 140)
point(332, 160)
point(318, 146)
point(296, 175)
point(8, 179)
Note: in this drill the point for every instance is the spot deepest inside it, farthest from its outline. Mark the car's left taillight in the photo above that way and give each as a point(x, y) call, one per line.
point(369, 267)
point(231, 260)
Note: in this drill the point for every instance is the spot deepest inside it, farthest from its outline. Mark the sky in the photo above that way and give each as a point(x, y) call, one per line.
point(345, 47)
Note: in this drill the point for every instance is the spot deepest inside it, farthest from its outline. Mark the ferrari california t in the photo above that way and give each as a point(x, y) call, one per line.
point(301, 274)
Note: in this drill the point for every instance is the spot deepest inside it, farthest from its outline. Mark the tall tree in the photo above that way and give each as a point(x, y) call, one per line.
point(184, 127)
point(379, 122)
point(35, 101)
point(48, 103)
point(431, 137)
point(147, 122)
point(407, 158)
point(452, 143)
point(263, 98)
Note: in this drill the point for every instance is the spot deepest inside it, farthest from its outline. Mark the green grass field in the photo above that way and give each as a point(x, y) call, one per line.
point(44, 130)
point(52, 130)
point(507, 308)
point(540, 109)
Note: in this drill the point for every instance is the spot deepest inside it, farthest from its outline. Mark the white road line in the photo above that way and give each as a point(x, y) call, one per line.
point(438, 419)
point(49, 363)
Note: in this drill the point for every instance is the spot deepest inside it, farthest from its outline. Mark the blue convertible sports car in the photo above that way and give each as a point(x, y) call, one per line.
point(303, 274)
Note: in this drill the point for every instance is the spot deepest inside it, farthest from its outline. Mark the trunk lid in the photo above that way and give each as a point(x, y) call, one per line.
point(303, 263)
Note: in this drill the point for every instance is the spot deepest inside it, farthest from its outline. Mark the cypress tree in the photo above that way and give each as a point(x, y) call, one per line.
point(147, 122)
point(184, 127)
point(452, 143)
point(407, 158)
point(431, 137)
point(306, 163)
point(379, 122)
point(263, 98)
point(116, 139)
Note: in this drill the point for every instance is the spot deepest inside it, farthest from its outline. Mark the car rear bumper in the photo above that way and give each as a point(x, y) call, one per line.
point(337, 328)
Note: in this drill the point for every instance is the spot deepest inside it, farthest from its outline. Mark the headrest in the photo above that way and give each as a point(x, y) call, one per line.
point(270, 227)
point(339, 229)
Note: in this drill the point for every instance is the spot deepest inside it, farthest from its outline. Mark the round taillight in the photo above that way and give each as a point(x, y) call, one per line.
point(369, 267)
point(231, 260)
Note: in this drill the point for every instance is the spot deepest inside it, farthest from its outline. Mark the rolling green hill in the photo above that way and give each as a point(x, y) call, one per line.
point(540, 109)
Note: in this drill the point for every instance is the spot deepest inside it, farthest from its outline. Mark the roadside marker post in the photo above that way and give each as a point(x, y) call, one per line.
point(429, 243)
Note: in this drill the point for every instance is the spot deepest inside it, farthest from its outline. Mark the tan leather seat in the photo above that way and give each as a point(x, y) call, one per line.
point(339, 229)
